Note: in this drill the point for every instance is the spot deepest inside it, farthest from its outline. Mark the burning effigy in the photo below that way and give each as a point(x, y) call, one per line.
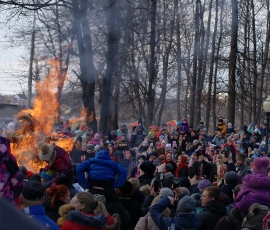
point(35, 125)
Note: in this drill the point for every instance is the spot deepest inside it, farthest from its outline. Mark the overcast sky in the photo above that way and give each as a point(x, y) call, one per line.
point(9, 63)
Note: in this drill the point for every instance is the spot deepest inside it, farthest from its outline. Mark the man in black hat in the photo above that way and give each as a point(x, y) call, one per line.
point(160, 158)
point(202, 168)
point(89, 152)
point(147, 170)
point(31, 200)
point(241, 168)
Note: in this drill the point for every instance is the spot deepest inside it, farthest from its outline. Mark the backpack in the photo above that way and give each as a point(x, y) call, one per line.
point(266, 222)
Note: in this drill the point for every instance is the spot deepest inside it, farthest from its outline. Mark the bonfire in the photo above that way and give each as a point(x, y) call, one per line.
point(35, 125)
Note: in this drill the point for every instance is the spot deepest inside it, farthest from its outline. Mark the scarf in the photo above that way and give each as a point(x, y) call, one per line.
point(180, 166)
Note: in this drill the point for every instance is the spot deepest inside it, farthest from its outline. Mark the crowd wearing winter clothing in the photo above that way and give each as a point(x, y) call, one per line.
point(136, 178)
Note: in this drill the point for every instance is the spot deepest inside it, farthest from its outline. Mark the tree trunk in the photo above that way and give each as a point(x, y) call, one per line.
point(263, 68)
point(88, 71)
point(232, 64)
point(152, 71)
point(216, 66)
point(255, 78)
point(196, 49)
point(63, 64)
point(244, 71)
point(179, 64)
point(107, 79)
point(212, 60)
point(201, 62)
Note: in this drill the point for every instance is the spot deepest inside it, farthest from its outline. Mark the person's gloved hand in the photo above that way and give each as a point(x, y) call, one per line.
point(46, 168)
point(53, 185)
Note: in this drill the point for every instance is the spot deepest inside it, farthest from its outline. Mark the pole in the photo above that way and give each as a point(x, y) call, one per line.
point(267, 131)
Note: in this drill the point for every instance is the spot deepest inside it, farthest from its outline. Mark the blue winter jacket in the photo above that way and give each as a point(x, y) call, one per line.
point(181, 220)
point(37, 213)
point(102, 168)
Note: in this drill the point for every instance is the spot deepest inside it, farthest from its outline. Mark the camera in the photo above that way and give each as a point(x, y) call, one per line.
point(156, 186)
point(176, 183)
point(226, 151)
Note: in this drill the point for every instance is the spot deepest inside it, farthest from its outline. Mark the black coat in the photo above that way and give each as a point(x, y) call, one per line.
point(228, 190)
point(50, 211)
point(146, 205)
point(183, 172)
point(118, 208)
point(113, 206)
point(138, 197)
point(213, 212)
point(133, 209)
point(206, 168)
point(145, 179)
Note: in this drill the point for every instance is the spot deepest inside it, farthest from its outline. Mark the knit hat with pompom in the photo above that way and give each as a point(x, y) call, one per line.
point(46, 151)
point(260, 165)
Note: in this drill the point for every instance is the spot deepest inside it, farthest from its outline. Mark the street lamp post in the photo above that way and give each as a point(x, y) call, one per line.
point(266, 108)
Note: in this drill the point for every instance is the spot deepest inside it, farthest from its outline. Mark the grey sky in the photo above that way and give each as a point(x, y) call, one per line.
point(9, 63)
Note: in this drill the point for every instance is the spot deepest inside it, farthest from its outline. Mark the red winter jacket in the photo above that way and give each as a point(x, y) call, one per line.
point(77, 220)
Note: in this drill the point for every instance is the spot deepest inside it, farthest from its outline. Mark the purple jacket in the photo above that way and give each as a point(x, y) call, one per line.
point(11, 177)
point(184, 126)
point(256, 189)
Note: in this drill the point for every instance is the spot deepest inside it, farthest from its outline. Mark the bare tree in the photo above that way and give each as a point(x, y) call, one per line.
point(232, 63)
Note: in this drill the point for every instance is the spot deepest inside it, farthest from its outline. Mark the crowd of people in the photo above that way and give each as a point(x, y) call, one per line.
point(156, 178)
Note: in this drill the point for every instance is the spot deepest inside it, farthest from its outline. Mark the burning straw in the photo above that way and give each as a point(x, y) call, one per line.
point(36, 124)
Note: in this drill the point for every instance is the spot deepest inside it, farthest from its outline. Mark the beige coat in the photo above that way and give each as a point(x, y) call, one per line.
point(141, 225)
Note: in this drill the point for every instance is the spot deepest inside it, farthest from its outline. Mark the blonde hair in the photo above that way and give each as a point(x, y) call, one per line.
point(101, 209)
point(146, 190)
point(165, 212)
point(135, 183)
point(88, 199)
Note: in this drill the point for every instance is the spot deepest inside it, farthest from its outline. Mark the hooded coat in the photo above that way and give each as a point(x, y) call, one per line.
point(254, 219)
point(61, 166)
point(184, 126)
point(212, 213)
point(11, 177)
point(77, 220)
point(255, 189)
point(101, 168)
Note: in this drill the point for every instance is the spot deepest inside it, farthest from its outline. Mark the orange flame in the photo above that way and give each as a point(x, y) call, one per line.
point(36, 124)
point(81, 117)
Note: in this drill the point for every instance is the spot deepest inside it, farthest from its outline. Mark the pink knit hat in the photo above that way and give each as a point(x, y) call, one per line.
point(260, 165)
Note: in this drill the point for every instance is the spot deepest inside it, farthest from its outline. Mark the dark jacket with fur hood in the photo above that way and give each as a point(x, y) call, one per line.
point(253, 219)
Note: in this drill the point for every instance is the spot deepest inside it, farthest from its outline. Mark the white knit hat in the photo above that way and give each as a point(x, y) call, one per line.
point(46, 151)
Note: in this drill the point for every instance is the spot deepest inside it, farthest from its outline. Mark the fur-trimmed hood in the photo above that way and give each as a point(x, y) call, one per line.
point(63, 212)
point(257, 181)
point(90, 220)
